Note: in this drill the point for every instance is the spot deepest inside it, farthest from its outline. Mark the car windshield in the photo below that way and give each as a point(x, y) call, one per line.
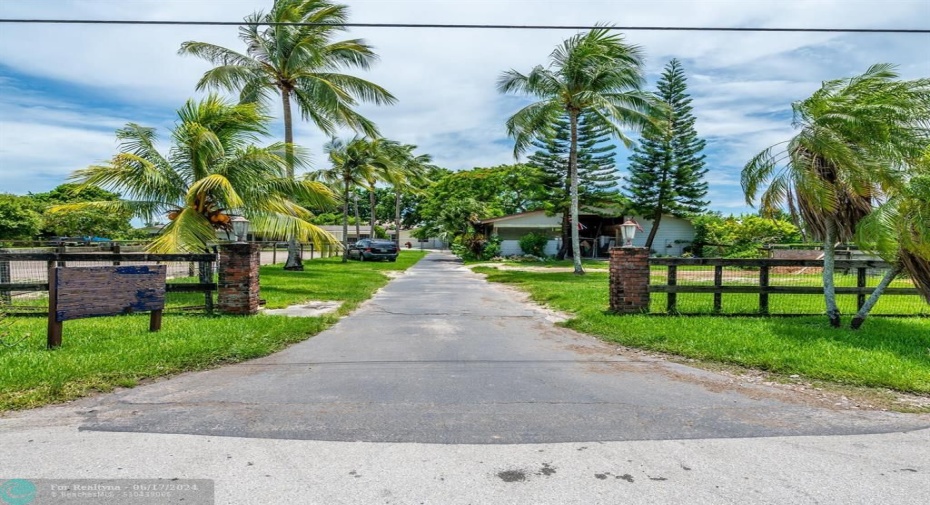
point(382, 243)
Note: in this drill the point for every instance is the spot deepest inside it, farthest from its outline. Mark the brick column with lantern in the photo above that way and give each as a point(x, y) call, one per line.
point(629, 280)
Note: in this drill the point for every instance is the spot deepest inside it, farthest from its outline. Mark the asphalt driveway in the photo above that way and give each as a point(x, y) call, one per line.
point(441, 356)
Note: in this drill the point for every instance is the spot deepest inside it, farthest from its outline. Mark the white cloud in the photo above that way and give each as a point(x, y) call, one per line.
point(742, 83)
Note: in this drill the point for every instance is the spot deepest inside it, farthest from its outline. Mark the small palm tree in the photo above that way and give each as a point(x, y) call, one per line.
point(352, 164)
point(855, 139)
point(211, 171)
point(899, 230)
point(299, 63)
point(593, 73)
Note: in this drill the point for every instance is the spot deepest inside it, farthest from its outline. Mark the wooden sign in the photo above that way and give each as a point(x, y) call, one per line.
point(80, 292)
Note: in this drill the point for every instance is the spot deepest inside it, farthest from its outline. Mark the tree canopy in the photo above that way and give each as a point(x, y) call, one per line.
point(212, 171)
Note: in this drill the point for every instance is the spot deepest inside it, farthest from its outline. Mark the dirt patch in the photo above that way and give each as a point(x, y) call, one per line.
point(306, 309)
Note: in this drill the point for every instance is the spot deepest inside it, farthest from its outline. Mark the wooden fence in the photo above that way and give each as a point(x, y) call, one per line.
point(13, 263)
point(763, 271)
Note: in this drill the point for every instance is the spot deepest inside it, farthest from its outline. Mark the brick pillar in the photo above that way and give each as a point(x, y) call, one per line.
point(238, 278)
point(629, 280)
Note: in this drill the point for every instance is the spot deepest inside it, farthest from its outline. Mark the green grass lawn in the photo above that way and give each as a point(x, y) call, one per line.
point(99, 354)
point(886, 352)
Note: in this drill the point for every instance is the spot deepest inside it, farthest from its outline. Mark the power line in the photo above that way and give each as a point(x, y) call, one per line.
point(468, 26)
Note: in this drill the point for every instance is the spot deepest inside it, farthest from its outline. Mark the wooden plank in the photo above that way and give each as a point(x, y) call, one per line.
point(798, 290)
point(183, 287)
point(718, 281)
point(190, 287)
point(756, 263)
point(106, 291)
point(106, 257)
point(24, 286)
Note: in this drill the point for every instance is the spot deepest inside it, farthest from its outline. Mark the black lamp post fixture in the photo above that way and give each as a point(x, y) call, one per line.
point(240, 226)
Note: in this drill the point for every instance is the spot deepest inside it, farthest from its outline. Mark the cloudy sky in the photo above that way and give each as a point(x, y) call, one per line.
point(64, 89)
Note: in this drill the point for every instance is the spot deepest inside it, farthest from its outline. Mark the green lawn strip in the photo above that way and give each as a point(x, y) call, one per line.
point(99, 354)
point(886, 352)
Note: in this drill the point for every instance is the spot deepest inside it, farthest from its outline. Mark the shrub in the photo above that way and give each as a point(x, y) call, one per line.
point(534, 244)
point(476, 247)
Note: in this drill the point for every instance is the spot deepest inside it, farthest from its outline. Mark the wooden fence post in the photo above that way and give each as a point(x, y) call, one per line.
point(763, 292)
point(206, 275)
point(672, 301)
point(860, 283)
point(718, 281)
point(53, 339)
point(5, 278)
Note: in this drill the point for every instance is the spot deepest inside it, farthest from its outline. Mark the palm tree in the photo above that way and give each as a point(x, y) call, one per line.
point(211, 171)
point(352, 163)
point(300, 63)
point(855, 140)
point(409, 174)
point(593, 73)
point(899, 230)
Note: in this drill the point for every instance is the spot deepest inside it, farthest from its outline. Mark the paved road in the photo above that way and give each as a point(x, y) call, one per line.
point(441, 357)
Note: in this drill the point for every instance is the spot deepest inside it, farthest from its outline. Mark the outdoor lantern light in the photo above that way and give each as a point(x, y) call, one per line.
point(628, 231)
point(240, 226)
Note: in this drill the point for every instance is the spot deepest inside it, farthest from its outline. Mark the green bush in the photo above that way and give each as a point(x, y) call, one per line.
point(534, 244)
point(741, 237)
point(475, 246)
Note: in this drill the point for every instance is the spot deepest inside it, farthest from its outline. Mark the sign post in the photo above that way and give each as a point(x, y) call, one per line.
point(79, 292)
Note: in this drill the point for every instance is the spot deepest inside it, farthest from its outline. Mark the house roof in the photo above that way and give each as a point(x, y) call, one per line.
point(511, 216)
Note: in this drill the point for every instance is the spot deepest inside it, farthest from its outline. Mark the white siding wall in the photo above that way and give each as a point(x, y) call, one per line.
point(670, 229)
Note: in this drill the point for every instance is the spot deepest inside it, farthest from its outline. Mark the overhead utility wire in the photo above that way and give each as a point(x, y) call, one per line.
point(467, 26)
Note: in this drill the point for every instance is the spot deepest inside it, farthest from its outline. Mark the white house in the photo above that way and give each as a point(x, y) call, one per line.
point(598, 233)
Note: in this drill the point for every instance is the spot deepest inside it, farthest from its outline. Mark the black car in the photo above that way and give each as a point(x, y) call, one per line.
point(373, 249)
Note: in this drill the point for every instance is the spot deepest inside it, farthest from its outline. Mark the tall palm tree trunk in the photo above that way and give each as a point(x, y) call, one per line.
point(397, 217)
point(345, 223)
point(294, 261)
point(829, 267)
point(573, 174)
point(372, 201)
point(873, 298)
point(358, 222)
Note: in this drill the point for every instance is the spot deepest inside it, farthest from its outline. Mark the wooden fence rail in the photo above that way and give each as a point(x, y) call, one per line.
point(763, 289)
point(206, 285)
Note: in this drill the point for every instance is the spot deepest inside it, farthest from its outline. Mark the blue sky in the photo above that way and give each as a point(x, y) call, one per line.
point(64, 89)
